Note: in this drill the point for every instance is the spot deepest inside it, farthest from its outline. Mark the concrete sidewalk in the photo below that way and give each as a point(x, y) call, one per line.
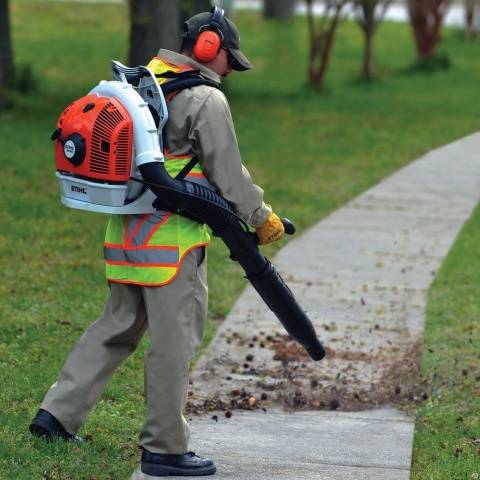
point(362, 274)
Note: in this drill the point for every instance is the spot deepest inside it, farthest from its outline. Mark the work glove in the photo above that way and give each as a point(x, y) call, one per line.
point(270, 231)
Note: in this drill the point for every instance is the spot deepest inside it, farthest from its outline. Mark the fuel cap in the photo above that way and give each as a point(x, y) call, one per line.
point(74, 149)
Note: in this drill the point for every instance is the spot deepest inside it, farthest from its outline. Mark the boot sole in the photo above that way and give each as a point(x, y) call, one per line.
point(156, 470)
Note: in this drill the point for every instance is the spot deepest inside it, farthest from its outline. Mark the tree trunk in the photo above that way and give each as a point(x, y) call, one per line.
point(7, 70)
point(469, 12)
point(368, 63)
point(476, 17)
point(426, 45)
point(368, 22)
point(189, 8)
point(280, 9)
point(154, 24)
point(426, 18)
point(472, 18)
point(325, 55)
point(322, 34)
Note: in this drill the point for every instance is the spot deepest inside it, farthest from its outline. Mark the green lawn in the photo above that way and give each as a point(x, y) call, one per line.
point(311, 153)
point(447, 439)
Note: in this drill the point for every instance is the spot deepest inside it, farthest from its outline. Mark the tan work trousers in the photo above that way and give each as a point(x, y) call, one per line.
point(174, 315)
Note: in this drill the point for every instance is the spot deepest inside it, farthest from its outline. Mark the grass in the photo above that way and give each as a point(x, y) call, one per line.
point(447, 438)
point(311, 153)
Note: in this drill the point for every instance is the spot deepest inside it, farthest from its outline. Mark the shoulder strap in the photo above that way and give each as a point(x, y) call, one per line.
point(182, 74)
point(186, 81)
point(186, 169)
point(181, 82)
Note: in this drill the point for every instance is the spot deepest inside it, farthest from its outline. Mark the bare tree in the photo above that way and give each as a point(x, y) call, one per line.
point(369, 14)
point(472, 16)
point(281, 9)
point(322, 34)
point(469, 11)
point(154, 24)
point(7, 69)
point(426, 17)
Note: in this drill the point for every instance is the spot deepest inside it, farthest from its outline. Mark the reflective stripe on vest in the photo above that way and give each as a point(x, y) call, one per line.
point(140, 228)
point(154, 256)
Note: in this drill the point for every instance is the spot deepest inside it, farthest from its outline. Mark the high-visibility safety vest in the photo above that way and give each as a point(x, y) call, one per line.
point(149, 249)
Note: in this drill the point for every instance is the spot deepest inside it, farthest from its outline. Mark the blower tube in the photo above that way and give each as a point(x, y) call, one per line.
point(203, 204)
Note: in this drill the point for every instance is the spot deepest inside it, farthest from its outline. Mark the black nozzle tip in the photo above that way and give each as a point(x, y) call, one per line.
point(316, 351)
point(289, 226)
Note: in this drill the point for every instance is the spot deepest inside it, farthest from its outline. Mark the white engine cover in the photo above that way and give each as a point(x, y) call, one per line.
point(102, 197)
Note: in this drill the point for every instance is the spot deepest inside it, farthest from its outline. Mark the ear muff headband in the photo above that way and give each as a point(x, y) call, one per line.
point(210, 39)
point(216, 18)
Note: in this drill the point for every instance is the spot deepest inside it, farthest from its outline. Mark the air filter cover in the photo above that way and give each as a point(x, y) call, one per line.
point(106, 128)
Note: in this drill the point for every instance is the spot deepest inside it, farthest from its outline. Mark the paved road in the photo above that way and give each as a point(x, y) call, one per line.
point(362, 274)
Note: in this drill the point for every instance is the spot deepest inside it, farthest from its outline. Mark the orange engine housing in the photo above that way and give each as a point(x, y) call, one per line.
point(106, 129)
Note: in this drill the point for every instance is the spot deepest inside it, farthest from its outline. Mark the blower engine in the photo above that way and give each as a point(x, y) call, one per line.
point(94, 148)
point(108, 151)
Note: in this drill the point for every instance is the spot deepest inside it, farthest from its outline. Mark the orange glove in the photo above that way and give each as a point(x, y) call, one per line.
point(270, 231)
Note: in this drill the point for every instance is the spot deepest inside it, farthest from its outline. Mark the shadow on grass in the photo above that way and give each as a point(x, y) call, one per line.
point(436, 63)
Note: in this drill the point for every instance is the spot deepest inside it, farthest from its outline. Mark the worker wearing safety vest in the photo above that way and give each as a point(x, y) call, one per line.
point(156, 263)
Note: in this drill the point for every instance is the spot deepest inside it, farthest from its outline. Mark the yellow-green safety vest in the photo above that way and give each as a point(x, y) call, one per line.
point(149, 249)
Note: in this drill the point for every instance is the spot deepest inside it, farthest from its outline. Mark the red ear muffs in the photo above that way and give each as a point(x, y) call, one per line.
point(207, 46)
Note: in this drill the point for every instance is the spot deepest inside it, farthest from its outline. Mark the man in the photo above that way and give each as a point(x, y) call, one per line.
point(168, 299)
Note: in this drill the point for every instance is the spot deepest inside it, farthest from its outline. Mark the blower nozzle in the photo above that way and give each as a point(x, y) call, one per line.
point(205, 205)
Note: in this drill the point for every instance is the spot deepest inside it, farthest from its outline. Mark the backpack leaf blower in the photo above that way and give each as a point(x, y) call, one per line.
point(108, 151)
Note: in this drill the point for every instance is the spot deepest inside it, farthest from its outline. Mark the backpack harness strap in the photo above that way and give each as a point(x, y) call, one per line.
point(181, 81)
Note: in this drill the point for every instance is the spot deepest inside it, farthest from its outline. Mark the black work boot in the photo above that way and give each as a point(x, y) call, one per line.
point(184, 465)
point(45, 425)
